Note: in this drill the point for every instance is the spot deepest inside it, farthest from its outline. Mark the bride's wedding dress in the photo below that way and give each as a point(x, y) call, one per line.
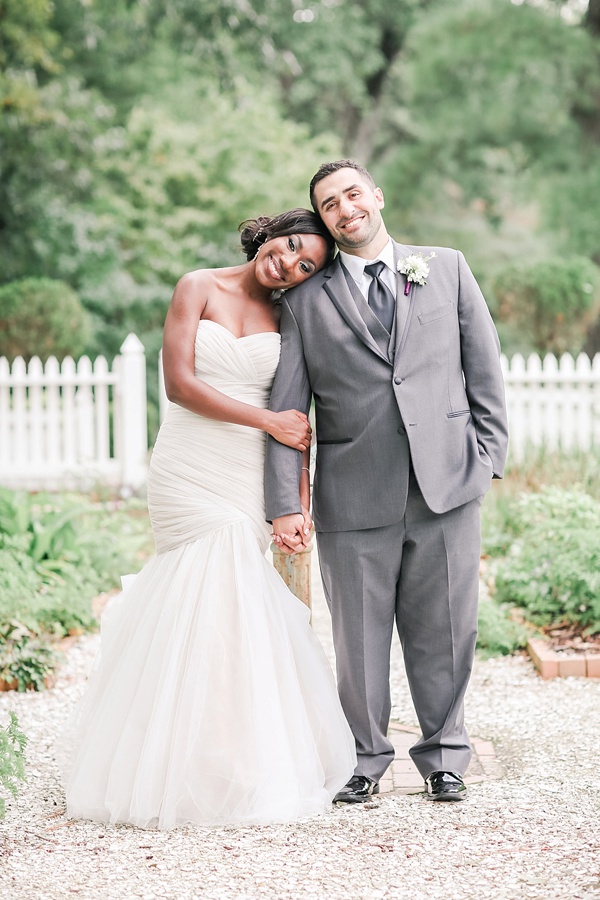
point(211, 700)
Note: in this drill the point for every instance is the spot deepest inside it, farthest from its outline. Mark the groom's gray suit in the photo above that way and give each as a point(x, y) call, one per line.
point(410, 430)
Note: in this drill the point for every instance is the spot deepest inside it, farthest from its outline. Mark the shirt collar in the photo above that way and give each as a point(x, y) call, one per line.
point(356, 264)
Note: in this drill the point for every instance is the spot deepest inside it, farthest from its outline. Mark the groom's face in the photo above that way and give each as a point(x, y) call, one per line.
point(350, 208)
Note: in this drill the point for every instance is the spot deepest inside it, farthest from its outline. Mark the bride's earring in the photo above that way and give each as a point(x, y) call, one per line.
point(260, 237)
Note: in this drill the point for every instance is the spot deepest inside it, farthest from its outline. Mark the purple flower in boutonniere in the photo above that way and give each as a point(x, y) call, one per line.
point(415, 268)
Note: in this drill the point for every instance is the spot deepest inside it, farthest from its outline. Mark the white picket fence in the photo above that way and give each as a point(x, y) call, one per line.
point(554, 403)
point(79, 424)
point(74, 425)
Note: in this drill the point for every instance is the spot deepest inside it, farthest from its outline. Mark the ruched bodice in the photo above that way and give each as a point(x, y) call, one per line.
point(205, 474)
point(241, 367)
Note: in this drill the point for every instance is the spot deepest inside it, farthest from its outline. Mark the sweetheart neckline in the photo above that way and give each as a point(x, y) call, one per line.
point(242, 337)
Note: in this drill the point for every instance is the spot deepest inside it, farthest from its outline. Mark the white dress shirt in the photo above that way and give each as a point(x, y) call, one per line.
point(356, 267)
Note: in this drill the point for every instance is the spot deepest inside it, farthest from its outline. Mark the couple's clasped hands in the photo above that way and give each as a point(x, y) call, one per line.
point(292, 533)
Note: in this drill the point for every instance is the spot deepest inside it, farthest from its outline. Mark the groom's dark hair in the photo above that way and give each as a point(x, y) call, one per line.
point(328, 168)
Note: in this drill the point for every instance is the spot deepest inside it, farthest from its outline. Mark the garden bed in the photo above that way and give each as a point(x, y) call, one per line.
point(566, 651)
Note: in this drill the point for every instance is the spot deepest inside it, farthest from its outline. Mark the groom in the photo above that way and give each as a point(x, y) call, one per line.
point(411, 428)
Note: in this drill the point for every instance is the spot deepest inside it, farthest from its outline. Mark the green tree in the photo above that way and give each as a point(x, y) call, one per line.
point(494, 91)
point(102, 42)
point(49, 164)
point(26, 45)
point(48, 127)
point(175, 191)
point(41, 317)
point(334, 63)
point(553, 302)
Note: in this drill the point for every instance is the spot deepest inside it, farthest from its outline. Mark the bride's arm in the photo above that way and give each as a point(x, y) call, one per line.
point(183, 388)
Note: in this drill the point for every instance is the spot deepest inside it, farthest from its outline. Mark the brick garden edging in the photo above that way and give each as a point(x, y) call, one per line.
point(559, 664)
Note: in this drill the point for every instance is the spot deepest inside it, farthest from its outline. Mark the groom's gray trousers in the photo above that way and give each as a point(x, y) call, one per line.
point(422, 573)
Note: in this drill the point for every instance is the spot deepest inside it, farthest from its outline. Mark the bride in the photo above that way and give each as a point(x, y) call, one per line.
point(211, 700)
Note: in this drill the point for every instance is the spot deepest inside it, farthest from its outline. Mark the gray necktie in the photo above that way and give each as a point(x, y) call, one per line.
point(380, 299)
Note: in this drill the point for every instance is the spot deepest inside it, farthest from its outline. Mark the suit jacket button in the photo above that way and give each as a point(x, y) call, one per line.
point(398, 380)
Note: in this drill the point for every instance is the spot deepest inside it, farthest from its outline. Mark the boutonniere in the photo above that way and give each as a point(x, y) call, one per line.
point(415, 268)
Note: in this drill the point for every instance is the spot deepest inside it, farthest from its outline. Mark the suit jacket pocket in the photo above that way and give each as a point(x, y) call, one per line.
point(438, 313)
point(337, 441)
point(459, 412)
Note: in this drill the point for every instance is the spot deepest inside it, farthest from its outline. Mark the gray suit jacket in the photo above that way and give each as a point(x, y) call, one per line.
point(433, 394)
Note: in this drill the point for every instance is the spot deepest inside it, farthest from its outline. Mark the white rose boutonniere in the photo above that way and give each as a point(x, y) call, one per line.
point(415, 268)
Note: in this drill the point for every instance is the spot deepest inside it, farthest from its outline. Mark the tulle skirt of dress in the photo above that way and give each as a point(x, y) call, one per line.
point(211, 702)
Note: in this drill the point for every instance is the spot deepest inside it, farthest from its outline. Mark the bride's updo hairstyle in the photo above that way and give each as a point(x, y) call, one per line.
point(255, 232)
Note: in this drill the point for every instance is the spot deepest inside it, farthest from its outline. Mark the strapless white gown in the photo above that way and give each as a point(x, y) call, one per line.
point(211, 700)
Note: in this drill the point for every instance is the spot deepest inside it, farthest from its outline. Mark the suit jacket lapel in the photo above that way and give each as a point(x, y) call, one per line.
point(404, 304)
point(340, 294)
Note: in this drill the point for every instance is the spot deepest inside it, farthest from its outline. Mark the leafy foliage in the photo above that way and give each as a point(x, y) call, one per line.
point(41, 317)
point(553, 301)
point(552, 568)
point(509, 106)
point(12, 759)
point(498, 633)
point(26, 662)
point(56, 554)
point(135, 136)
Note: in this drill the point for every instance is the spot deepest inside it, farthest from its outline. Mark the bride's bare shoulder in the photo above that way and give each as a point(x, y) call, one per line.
point(197, 280)
point(193, 289)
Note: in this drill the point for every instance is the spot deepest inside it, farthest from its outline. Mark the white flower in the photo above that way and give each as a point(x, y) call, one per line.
point(415, 268)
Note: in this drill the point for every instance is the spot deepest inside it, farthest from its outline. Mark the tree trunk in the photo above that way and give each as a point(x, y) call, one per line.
point(592, 17)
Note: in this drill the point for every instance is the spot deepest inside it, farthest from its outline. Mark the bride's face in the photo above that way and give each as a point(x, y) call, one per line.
point(284, 262)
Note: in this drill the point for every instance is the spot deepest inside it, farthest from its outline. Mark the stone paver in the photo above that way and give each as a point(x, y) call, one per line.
point(403, 778)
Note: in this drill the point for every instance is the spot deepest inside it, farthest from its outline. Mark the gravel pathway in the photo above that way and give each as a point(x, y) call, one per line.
point(533, 834)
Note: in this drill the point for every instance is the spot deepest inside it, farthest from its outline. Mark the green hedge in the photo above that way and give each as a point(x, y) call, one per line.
point(41, 317)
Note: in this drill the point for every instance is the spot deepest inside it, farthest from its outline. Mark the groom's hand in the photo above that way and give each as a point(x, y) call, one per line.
point(288, 532)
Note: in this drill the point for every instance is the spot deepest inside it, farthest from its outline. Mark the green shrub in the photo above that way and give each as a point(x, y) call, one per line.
point(498, 523)
point(12, 758)
point(41, 317)
point(552, 303)
point(25, 660)
point(502, 514)
point(56, 554)
point(58, 551)
point(498, 633)
point(552, 569)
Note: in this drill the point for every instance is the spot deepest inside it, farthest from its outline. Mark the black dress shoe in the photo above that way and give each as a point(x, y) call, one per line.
point(358, 789)
point(445, 786)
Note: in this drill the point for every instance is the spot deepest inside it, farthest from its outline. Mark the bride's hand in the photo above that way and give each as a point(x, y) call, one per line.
point(308, 526)
point(291, 428)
